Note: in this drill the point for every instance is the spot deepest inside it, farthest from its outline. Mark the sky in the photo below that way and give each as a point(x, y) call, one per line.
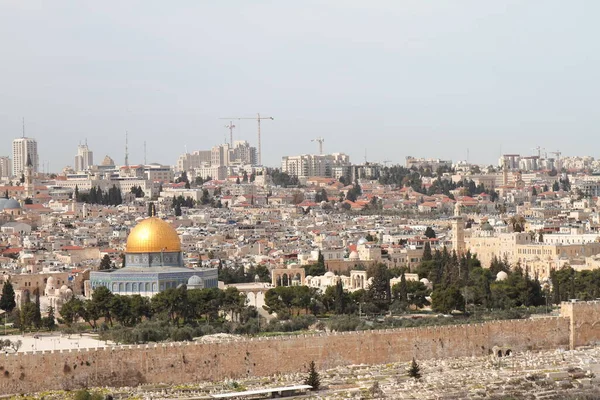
point(376, 79)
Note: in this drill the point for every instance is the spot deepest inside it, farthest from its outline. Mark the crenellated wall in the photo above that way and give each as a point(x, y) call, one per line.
point(177, 363)
point(584, 326)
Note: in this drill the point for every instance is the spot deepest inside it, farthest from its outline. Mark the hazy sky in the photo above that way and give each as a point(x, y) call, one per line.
point(394, 78)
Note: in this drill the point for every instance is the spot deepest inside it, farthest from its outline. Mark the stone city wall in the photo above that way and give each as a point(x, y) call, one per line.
point(177, 363)
point(584, 320)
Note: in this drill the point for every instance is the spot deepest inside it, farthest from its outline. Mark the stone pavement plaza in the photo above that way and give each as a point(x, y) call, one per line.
point(56, 341)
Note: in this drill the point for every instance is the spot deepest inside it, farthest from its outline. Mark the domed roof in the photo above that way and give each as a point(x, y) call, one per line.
point(487, 227)
point(195, 280)
point(362, 240)
point(153, 235)
point(424, 281)
point(2, 202)
point(11, 204)
point(500, 276)
point(50, 282)
point(329, 274)
point(353, 255)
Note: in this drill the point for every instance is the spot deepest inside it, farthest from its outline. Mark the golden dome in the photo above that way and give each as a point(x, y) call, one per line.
point(153, 235)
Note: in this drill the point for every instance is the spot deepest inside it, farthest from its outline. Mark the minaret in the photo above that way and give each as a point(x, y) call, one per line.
point(458, 231)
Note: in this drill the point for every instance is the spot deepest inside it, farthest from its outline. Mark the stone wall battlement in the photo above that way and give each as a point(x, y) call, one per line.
point(179, 363)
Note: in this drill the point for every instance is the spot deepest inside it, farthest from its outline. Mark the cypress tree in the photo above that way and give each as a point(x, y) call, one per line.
point(427, 256)
point(403, 292)
point(313, 379)
point(414, 371)
point(37, 316)
point(7, 301)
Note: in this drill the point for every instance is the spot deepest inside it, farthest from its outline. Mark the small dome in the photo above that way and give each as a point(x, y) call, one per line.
point(353, 255)
point(50, 282)
point(362, 240)
point(487, 227)
point(424, 281)
point(329, 274)
point(12, 204)
point(308, 277)
point(195, 280)
point(501, 276)
point(64, 288)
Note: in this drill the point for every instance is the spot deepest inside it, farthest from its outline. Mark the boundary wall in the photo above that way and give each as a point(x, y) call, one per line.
point(178, 363)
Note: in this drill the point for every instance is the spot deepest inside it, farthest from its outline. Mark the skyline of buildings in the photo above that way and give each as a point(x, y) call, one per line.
point(225, 160)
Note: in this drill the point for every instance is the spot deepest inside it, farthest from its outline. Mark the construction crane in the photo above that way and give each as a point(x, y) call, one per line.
point(557, 154)
point(539, 151)
point(230, 127)
point(386, 162)
point(320, 140)
point(258, 118)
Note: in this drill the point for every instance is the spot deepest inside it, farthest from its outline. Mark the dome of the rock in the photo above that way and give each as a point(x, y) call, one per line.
point(153, 235)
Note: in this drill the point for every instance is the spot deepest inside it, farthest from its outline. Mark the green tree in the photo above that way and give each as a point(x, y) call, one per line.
point(445, 300)
point(430, 233)
point(402, 290)
point(48, 321)
point(313, 379)
point(427, 256)
point(379, 293)
point(414, 370)
point(173, 303)
point(7, 301)
point(37, 316)
point(151, 209)
point(105, 263)
point(72, 310)
point(28, 310)
point(101, 303)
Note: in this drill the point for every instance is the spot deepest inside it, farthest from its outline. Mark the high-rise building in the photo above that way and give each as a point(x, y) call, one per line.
point(5, 167)
point(308, 165)
point(84, 158)
point(243, 153)
point(219, 155)
point(23, 148)
point(189, 161)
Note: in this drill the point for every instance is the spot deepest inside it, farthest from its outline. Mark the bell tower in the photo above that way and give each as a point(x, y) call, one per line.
point(29, 187)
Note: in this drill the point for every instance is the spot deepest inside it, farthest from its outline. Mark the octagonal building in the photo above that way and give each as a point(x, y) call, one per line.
point(153, 263)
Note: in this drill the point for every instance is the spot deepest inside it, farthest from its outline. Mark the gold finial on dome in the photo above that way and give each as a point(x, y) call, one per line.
point(153, 235)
